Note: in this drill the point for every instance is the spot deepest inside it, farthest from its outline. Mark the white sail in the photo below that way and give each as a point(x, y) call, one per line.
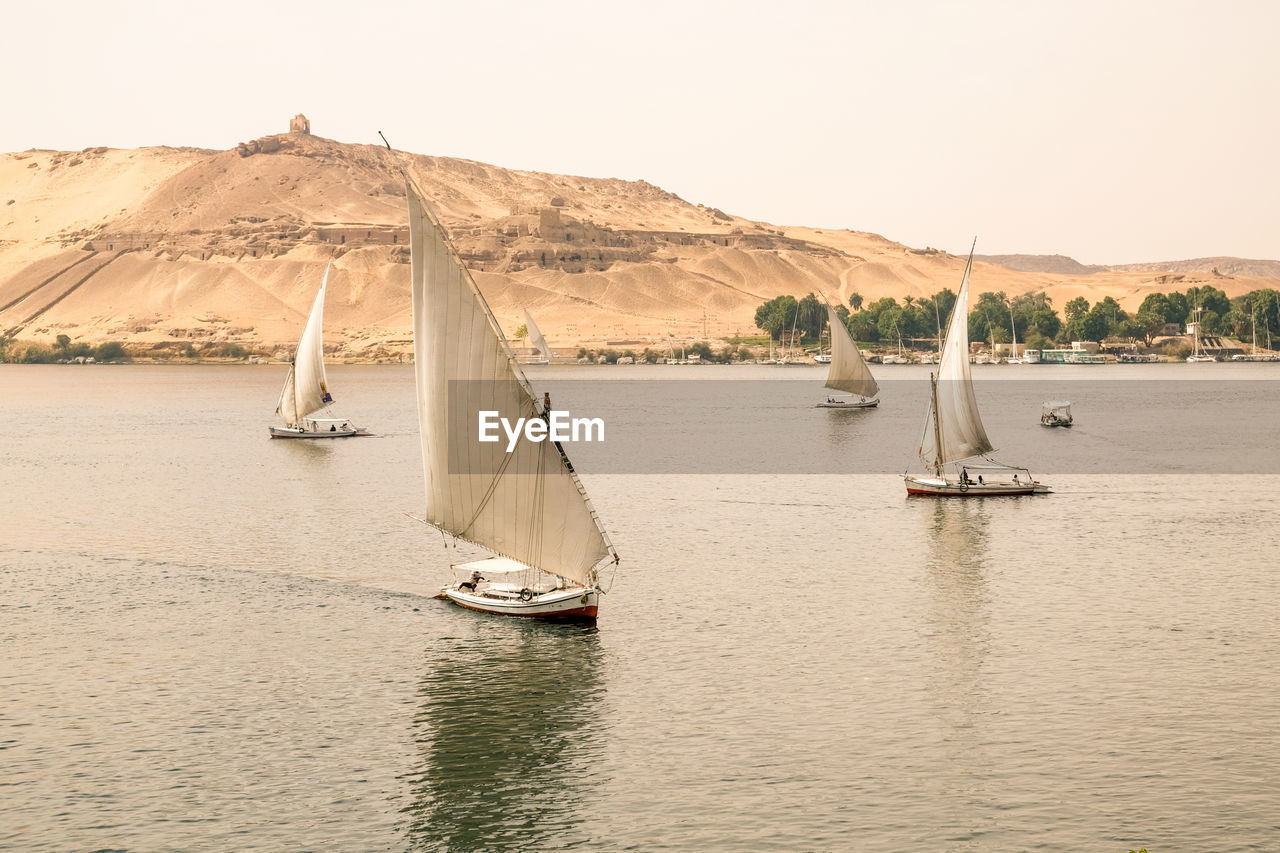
point(848, 371)
point(536, 337)
point(958, 432)
point(305, 390)
point(528, 504)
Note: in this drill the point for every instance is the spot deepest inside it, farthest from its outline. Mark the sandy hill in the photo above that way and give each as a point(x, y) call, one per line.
point(1220, 266)
point(167, 245)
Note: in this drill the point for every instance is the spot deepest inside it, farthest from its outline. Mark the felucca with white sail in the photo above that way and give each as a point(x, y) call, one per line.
point(525, 504)
point(539, 342)
point(305, 389)
point(848, 372)
point(955, 447)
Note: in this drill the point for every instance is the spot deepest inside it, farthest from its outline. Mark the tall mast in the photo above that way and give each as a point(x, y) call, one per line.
point(937, 319)
point(1013, 332)
point(937, 428)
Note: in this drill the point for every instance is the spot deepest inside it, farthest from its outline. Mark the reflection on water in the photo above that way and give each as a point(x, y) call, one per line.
point(306, 448)
point(957, 564)
point(509, 736)
point(959, 642)
point(846, 431)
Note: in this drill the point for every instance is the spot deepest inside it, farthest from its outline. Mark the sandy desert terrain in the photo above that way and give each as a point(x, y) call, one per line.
point(163, 245)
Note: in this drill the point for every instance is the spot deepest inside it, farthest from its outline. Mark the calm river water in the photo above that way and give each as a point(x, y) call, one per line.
point(209, 640)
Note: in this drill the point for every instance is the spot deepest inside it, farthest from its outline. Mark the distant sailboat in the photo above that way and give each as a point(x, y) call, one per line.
point(848, 373)
point(901, 357)
point(1197, 354)
point(955, 446)
point(526, 506)
point(1013, 336)
point(539, 342)
point(305, 390)
point(822, 357)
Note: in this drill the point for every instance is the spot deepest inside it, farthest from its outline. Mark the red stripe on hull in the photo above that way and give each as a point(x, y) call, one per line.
point(933, 494)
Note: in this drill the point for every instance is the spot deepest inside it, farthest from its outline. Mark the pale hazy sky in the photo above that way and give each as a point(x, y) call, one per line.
point(1109, 131)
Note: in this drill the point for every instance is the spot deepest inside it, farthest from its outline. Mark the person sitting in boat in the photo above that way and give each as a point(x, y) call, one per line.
point(1015, 479)
point(980, 483)
point(333, 428)
point(964, 476)
point(471, 584)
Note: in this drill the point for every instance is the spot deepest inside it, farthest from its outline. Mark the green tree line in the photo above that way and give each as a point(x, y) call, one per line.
point(1031, 318)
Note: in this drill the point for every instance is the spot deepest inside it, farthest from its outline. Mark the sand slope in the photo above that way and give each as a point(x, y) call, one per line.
point(165, 245)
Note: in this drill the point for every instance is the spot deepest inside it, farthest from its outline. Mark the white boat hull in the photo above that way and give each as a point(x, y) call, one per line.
point(570, 604)
point(938, 487)
point(291, 432)
point(850, 404)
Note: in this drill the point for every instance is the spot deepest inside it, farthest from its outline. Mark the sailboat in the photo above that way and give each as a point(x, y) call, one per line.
point(527, 507)
point(901, 357)
point(955, 447)
point(1013, 336)
point(790, 356)
point(305, 389)
point(848, 373)
point(1198, 354)
point(822, 357)
point(932, 357)
point(539, 342)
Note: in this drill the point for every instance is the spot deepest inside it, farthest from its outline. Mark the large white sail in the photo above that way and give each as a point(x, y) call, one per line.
point(958, 432)
point(528, 504)
point(848, 371)
point(536, 337)
point(305, 389)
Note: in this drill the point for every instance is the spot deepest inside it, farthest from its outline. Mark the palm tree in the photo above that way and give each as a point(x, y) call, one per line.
point(855, 301)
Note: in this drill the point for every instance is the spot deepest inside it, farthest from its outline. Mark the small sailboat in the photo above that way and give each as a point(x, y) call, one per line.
point(791, 342)
point(1013, 336)
point(822, 357)
point(848, 373)
point(955, 447)
point(1197, 354)
point(527, 506)
point(539, 342)
point(901, 357)
point(305, 389)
